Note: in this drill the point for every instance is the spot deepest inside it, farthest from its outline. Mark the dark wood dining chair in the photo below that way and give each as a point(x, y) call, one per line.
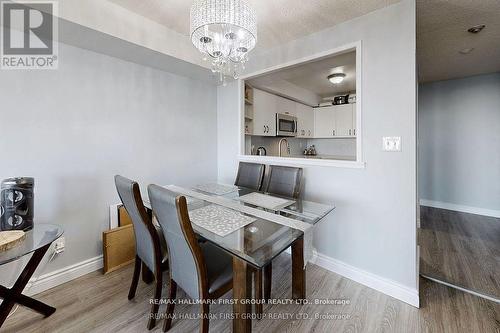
point(286, 182)
point(250, 175)
point(150, 245)
point(202, 270)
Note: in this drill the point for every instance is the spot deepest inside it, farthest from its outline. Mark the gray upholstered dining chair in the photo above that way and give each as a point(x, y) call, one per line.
point(283, 181)
point(250, 175)
point(202, 270)
point(150, 246)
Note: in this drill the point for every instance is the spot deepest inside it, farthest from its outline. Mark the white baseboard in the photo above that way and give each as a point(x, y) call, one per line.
point(461, 208)
point(63, 275)
point(386, 286)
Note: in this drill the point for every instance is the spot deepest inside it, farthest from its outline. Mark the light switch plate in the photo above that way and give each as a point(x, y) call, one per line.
point(391, 143)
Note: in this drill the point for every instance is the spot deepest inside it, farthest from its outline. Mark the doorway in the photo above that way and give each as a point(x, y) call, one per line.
point(459, 145)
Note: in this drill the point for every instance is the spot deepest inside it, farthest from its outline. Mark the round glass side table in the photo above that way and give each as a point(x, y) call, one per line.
point(37, 241)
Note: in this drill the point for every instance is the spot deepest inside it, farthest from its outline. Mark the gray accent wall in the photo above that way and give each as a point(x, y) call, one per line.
point(372, 232)
point(459, 141)
point(74, 128)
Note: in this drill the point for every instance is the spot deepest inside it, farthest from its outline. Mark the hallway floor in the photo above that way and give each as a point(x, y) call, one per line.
point(461, 249)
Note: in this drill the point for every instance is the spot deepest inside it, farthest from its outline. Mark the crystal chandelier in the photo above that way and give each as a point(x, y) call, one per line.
point(225, 31)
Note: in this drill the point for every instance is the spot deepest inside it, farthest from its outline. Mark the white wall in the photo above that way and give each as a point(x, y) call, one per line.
point(114, 20)
point(459, 142)
point(74, 128)
point(372, 233)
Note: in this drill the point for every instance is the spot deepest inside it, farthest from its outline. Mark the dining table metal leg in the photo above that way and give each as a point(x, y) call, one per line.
point(242, 293)
point(298, 270)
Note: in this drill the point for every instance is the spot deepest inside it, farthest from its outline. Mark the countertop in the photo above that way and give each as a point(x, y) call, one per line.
point(326, 157)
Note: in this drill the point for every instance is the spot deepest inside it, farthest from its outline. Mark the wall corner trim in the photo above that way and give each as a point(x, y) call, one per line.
point(381, 284)
point(65, 274)
point(460, 208)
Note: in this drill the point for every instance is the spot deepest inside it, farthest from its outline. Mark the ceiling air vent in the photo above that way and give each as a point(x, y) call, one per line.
point(476, 29)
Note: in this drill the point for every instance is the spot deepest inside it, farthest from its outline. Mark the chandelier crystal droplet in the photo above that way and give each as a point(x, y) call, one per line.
point(224, 31)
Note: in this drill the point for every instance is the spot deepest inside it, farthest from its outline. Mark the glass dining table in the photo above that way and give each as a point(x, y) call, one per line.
point(256, 244)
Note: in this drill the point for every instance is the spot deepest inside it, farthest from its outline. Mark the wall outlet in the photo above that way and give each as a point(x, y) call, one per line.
point(391, 143)
point(59, 245)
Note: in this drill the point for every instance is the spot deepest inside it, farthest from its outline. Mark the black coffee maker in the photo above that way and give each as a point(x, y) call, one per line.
point(16, 203)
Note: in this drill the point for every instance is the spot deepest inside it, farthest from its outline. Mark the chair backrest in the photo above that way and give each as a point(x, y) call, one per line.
point(284, 181)
point(186, 261)
point(147, 243)
point(250, 175)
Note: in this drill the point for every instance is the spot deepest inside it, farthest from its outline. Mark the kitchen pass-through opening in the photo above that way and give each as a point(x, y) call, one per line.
point(308, 112)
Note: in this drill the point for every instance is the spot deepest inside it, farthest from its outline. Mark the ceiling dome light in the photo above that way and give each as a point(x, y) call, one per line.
point(336, 78)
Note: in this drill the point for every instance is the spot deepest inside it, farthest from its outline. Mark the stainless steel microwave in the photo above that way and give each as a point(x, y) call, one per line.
point(286, 125)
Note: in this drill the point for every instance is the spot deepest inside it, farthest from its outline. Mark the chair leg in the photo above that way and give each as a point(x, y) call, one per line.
point(156, 297)
point(268, 274)
point(135, 278)
point(170, 306)
point(205, 318)
point(257, 282)
point(147, 275)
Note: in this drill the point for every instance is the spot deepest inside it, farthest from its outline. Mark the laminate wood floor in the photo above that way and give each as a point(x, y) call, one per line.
point(98, 303)
point(460, 248)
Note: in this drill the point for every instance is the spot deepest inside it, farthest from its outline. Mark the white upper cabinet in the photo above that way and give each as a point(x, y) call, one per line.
point(305, 121)
point(354, 122)
point(324, 122)
point(337, 121)
point(343, 114)
point(265, 106)
point(286, 106)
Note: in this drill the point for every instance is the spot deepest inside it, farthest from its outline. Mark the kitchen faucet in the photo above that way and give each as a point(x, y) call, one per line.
point(287, 147)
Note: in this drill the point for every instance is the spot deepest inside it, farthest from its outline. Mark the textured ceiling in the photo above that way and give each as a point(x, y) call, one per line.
point(442, 32)
point(279, 21)
point(312, 76)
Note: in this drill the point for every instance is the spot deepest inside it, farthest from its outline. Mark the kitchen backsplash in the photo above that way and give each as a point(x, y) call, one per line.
point(337, 147)
point(271, 145)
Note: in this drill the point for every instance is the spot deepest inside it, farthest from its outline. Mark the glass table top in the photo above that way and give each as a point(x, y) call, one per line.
point(262, 240)
point(257, 243)
point(302, 210)
point(36, 238)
